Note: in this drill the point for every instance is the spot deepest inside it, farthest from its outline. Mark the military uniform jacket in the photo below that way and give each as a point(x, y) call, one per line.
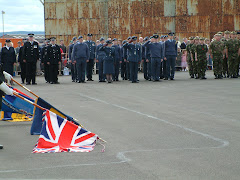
point(20, 55)
point(99, 53)
point(109, 53)
point(31, 51)
point(134, 52)
point(233, 46)
point(92, 49)
point(80, 50)
point(8, 56)
point(118, 55)
point(170, 48)
point(156, 49)
point(201, 50)
point(217, 48)
point(53, 54)
point(44, 54)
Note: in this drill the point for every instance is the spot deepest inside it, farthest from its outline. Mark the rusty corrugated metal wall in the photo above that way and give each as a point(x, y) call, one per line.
point(121, 18)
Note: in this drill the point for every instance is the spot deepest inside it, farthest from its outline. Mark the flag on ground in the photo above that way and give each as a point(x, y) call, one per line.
point(61, 135)
point(38, 114)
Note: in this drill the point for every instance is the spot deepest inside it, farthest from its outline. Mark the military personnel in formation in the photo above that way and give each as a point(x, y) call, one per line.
point(31, 56)
point(53, 60)
point(189, 59)
point(124, 73)
point(156, 50)
point(100, 59)
point(22, 64)
point(134, 58)
point(81, 55)
point(144, 62)
point(127, 62)
point(8, 57)
point(117, 59)
point(108, 66)
point(193, 57)
point(73, 65)
point(225, 60)
point(92, 50)
point(163, 66)
point(201, 58)
point(232, 53)
point(170, 56)
point(148, 60)
point(217, 48)
point(44, 61)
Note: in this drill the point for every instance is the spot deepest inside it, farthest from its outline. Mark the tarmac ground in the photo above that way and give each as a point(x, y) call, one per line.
point(185, 129)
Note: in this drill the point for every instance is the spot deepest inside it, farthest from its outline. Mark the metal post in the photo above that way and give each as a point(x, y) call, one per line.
point(3, 21)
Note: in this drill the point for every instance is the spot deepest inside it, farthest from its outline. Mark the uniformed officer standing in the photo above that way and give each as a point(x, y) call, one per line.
point(53, 60)
point(124, 73)
point(100, 59)
point(148, 60)
point(157, 55)
point(8, 57)
point(163, 63)
point(81, 56)
point(31, 56)
point(22, 64)
point(195, 63)
point(170, 53)
point(44, 61)
point(127, 62)
point(73, 65)
point(117, 59)
point(135, 57)
point(145, 72)
point(92, 51)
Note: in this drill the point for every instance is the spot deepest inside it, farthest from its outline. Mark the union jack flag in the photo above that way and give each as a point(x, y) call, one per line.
point(61, 135)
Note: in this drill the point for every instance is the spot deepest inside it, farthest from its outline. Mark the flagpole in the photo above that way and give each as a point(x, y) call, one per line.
point(3, 21)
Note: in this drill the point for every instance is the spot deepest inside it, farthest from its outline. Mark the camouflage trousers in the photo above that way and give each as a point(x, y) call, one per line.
point(232, 64)
point(202, 67)
point(190, 66)
point(195, 67)
point(217, 65)
point(225, 66)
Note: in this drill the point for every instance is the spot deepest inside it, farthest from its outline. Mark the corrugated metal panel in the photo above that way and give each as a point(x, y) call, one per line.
point(121, 18)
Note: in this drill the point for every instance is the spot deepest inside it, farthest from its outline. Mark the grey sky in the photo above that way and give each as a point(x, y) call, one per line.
point(22, 15)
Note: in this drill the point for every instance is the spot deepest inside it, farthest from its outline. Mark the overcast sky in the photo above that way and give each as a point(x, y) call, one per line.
point(22, 15)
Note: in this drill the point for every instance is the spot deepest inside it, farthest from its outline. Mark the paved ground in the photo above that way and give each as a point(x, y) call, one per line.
point(184, 129)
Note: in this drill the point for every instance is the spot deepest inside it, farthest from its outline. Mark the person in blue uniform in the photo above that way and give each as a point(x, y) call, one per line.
point(170, 55)
point(73, 65)
point(148, 60)
point(22, 64)
point(162, 69)
point(92, 50)
point(53, 60)
point(8, 57)
point(117, 59)
point(81, 56)
point(124, 62)
point(134, 58)
point(145, 69)
point(156, 50)
point(108, 65)
point(44, 61)
point(100, 59)
point(31, 56)
point(127, 62)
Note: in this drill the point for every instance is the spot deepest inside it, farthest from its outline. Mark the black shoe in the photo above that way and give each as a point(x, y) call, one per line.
point(83, 82)
point(88, 80)
point(73, 81)
point(203, 78)
point(192, 76)
point(171, 79)
point(150, 79)
point(165, 79)
point(51, 83)
point(34, 83)
point(117, 80)
point(79, 81)
point(22, 82)
point(91, 80)
point(57, 82)
point(109, 81)
point(220, 77)
point(161, 77)
point(216, 77)
point(1, 146)
point(28, 83)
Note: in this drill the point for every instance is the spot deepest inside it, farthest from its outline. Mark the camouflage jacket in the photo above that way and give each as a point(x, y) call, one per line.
point(201, 51)
point(233, 46)
point(217, 48)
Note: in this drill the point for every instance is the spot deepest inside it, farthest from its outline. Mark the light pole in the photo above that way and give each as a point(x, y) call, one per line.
point(3, 12)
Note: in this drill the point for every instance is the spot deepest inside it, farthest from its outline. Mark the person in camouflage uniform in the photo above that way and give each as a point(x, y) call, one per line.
point(189, 59)
point(232, 53)
point(195, 63)
point(225, 60)
point(217, 48)
point(201, 58)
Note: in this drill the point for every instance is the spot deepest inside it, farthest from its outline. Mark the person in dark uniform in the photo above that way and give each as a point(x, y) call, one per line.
point(8, 57)
point(73, 65)
point(92, 51)
point(124, 62)
point(53, 60)
point(100, 59)
point(108, 66)
point(31, 56)
point(163, 64)
point(44, 61)
point(135, 57)
point(4, 89)
point(22, 64)
point(170, 53)
point(156, 49)
point(127, 62)
point(117, 59)
point(80, 56)
point(145, 69)
point(148, 60)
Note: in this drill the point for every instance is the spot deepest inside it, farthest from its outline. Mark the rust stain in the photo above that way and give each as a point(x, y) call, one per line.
point(121, 18)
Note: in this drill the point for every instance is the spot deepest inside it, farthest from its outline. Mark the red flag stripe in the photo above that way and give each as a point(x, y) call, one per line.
point(84, 138)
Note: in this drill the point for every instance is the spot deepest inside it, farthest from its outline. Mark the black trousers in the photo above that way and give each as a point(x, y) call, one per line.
point(31, 72)
point(53, 72)
point(23, 67)
point(145, 69)
point(163, 69)
point(74, 72)
point(124, 70)
point(133, 71)
point(90, 69)
point(46, 72)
